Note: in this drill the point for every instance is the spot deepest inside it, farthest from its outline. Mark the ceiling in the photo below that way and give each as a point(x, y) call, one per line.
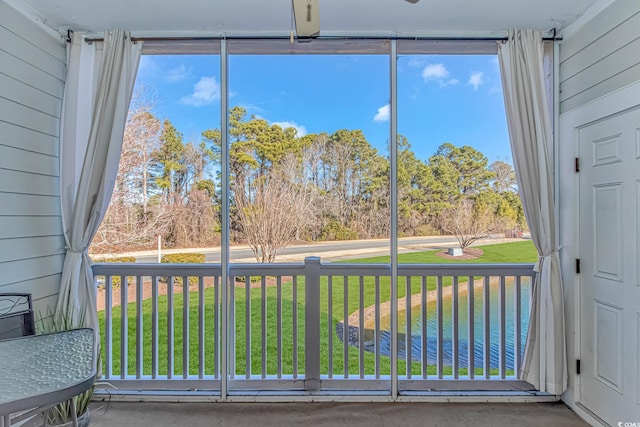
point(273, 17)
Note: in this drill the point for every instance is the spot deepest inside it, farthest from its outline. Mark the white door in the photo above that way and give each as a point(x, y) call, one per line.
point(610, 267)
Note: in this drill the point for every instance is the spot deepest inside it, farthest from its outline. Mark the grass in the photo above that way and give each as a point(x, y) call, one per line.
point(248, 347)
point(502, 253)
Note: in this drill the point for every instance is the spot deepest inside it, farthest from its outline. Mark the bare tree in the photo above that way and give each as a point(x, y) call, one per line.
point(130, 221)
point(272, 214)
point(193, 223)
point(123, 227)
point(468, 221)
point(313, 174)
point(504, 177)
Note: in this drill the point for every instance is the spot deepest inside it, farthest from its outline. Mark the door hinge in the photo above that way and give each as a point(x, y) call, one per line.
point(577, 165)
point(578, 366)
point(578, 266)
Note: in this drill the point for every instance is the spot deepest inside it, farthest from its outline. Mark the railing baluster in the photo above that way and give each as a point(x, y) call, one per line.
point(201, 327)
point(471, 325)
point(279, 325)
point(345, 332)
point(170, 319)
point(517, 340)
point(154, 327)
point(377, 325)
point(263, 303)
point(454, 328)
point(124, 327)
point(503, 328)
point(231, 327)
point(487, 327)
point(108, 326)
point(440, 334)
point(407, 326)
point(361, 328)
point(139, 328)
point(330, 322)
point(247, 326)
point(294, 326)
point(424, 332)
point(185, 327)
point(217, 351)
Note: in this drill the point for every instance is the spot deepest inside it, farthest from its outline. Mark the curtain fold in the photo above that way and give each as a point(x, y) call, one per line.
point(96, 100)
point(530, 132)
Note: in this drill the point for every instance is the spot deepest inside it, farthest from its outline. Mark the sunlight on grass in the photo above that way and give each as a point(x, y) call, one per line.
point(501, 253)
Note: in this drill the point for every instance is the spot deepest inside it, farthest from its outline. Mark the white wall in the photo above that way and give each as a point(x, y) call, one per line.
point(601, 57)
point(32, 70)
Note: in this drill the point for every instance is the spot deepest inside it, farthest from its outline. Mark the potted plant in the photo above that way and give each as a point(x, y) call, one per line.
point(61, 415)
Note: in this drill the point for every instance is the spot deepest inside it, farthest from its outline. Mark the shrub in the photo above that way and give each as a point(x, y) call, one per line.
point(183, 259)
point(334, 230)
point(427, 230)
point(116, 259)
point(116, 280)
point(252, 279)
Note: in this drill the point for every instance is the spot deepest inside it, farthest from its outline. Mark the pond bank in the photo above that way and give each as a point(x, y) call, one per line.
point(385, 309)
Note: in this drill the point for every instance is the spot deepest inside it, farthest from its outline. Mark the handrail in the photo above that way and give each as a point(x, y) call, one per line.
point(336, 269)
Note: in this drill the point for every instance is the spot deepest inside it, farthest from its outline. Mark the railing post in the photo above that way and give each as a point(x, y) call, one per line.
point(312, 324)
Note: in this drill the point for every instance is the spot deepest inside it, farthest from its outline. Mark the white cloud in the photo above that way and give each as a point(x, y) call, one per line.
point(300, 129)
point(383, 114)
point(476, 79)
point(252, 107)
point(205, 92)
point(438, 73)
point(178, 74)
point(435, 72)
point(416, 62)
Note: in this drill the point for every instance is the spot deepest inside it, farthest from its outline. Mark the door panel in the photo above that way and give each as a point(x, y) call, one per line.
point(609, 251)
point(608, 345)
point(607, 231)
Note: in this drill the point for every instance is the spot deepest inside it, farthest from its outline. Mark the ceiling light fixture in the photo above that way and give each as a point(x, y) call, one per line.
point(306, 14)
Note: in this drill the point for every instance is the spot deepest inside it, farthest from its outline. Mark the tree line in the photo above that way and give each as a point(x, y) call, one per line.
point(285, 187)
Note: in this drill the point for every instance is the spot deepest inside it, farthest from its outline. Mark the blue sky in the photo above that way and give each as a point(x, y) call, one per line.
point(444, 98)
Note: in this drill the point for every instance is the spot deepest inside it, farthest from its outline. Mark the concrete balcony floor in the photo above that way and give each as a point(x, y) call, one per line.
point(135, 414)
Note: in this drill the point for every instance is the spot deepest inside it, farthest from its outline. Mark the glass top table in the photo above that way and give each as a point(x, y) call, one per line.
point(39, 371)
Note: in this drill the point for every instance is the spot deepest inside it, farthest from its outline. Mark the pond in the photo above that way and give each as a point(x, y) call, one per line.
point(479, 345)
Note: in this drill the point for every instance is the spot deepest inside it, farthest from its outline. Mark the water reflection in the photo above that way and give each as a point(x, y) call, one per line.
point(463, 342)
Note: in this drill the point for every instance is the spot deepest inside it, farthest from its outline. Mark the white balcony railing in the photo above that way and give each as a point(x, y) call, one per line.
point(310, 326)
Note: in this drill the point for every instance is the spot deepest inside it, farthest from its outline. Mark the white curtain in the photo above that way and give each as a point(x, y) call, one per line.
point(530, 132)
point(96, 99)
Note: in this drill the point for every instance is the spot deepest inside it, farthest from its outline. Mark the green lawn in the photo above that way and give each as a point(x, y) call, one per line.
point(520, 252)
point(503, 253)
